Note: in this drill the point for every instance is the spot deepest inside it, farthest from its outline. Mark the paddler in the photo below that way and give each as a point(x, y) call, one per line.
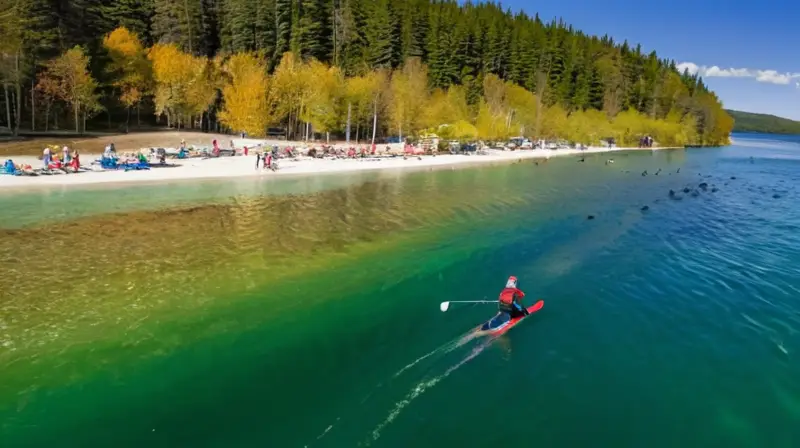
point(508, 302)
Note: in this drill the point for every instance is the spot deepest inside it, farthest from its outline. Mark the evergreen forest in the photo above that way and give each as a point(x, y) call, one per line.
point(316, 68)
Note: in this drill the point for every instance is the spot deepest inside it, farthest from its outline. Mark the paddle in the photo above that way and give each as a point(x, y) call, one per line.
point(444, 306)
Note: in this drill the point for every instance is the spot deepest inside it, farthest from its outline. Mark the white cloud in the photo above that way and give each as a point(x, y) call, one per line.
point(768, 76)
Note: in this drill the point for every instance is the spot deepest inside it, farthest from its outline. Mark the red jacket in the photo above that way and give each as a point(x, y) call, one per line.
point(508, 295)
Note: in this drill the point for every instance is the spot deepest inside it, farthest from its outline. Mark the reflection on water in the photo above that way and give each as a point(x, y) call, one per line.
point(77, 282)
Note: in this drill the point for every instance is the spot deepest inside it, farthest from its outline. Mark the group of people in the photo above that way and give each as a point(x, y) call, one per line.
point(266, 159)
point(68, 158)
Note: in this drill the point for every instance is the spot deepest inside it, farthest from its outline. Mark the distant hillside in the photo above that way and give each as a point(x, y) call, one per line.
point(749, 122)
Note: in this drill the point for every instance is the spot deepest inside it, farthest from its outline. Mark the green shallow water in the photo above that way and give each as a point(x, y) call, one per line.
point(306, 313)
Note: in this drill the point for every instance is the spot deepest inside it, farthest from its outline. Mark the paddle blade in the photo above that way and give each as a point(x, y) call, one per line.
point(536, 307)
point(444, 306)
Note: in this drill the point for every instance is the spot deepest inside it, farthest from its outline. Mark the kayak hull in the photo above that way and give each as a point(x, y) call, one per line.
point(500, 323)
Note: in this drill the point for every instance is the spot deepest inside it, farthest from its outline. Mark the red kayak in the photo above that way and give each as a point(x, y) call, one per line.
point(500, 323)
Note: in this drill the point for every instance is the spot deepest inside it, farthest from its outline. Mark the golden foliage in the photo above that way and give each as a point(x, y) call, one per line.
point(246, 92)
point(408, 93)
point(185, 85)
point(67, 78)
point(129, 65)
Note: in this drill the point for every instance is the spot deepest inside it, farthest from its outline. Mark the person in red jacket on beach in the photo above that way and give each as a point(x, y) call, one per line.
point(508, 302)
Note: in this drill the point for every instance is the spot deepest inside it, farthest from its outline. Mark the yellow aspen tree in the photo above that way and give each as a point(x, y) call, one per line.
point(129, 66)
point(246, 90)
point(68, 77)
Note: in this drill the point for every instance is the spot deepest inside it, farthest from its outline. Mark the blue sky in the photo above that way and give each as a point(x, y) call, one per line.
point(748, 52)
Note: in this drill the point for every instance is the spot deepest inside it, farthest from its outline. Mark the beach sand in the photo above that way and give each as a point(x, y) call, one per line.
point(240, 166)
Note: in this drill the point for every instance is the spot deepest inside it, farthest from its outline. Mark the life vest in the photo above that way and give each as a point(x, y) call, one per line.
point(508, 295)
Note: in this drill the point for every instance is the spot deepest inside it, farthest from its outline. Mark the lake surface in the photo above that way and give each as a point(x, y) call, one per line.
point(305, 312)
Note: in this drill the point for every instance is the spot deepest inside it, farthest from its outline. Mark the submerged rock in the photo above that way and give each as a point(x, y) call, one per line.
point(645, 208)
point(776, 196)
point(714, 190)
point(686, 189)
point(703, 185)
point(733, 177)
point(695, 193)
point(590, 217)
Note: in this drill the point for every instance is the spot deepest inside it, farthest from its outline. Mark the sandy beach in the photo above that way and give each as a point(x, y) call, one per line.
point(239, 166)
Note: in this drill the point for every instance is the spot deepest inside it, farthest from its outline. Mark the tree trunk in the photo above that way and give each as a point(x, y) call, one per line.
point(33, 106)
point(127, 120)
point(349, 111)
point(138, 122)
point(328, 138)
point(18, 112)
point(84, 122)
point(77, 121)
point(188, 24)
point(47, 117)
point(8, 105)
point(374, 120)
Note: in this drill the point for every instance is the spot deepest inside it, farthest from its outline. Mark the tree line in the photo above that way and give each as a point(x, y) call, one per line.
point(385, 67)
point(765, 123)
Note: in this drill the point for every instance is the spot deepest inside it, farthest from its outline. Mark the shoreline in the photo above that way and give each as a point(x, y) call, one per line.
point(244, 166)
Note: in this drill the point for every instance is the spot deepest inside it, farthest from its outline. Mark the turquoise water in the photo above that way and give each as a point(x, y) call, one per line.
point(671, 326)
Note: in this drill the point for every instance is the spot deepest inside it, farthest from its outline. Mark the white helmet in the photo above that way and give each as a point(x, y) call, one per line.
point(512, 282)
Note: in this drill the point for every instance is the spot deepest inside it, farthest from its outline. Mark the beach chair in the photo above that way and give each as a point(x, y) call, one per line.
point(137, 166)
point(9, 168)
point(109, 163)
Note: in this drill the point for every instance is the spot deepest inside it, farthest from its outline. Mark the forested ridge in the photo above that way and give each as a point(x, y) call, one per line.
point(751, 122)
point(388, 67)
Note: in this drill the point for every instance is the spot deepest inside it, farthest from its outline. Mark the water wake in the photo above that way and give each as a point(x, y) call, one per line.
point(423, 386)
point(441, 350)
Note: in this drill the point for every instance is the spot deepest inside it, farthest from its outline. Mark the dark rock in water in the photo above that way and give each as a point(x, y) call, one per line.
point(686, 189)
point(657, 172)
point(590, 217)
point(645, 208)
point(671, 193)
point(776, 196)
point(733, 177)
point(695, 193)
point(644, 173)
point(678, 172)
point(714, 190)
point(703, 185)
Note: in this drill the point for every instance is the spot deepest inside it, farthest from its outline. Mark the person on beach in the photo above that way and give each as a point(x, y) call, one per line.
point(508, 302)
point(75, 163)
point(268, 162)
point(65, 154)
point(258, 159)
point(46, 157)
